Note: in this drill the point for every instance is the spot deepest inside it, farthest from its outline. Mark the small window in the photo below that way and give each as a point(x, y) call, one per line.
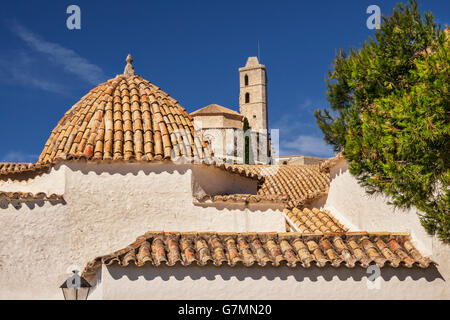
point(246, 80)
point(254, 116)
point(247, 97)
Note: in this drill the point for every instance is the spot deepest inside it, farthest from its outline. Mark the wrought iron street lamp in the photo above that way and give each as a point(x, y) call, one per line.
point(75, 287)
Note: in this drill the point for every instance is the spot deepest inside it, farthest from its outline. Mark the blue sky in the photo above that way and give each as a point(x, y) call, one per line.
point(191, 49)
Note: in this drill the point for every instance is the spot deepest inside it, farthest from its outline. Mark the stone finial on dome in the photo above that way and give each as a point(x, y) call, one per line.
point(129, 70)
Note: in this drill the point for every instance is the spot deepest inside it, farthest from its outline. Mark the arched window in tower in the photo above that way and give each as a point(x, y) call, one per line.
point(247, 97)
point(246, 80)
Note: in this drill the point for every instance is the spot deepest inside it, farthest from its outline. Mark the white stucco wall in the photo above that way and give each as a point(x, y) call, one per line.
point(256, 283)
point(214, 181)
point(35, 183)
point(359, 211)
point(106, 207)
point(34, 250)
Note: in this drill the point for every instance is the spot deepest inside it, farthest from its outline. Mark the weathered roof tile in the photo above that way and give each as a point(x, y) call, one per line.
point(313, 221)
point(28, 196)
point(120, 111)
point(298, 184)
point(295, 249)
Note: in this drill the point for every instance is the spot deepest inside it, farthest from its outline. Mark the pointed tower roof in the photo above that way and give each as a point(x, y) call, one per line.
point(214, 109)
point(252, 63)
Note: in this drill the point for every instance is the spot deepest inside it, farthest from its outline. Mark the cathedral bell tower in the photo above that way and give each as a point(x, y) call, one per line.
point(253, 106)
point(253, 94)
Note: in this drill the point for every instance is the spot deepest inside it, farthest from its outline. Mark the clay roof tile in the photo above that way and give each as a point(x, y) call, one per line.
point(262, 249)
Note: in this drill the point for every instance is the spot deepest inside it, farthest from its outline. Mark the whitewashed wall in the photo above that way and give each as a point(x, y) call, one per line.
point(106, 208)
point(257, 283)
point(359, 211)
point(30, 182)
point(348, 202)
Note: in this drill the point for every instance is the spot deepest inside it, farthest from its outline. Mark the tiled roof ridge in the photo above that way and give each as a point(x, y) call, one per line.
point(242, 197)
point(29, 196)
point(310, 198)
point(265, 248)
point(329, 163)
point(8, 168)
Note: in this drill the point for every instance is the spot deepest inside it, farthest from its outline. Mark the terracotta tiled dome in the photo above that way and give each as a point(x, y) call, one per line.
point(125, 118)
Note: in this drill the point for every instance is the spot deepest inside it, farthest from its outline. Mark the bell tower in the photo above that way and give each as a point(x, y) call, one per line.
point(253, 94)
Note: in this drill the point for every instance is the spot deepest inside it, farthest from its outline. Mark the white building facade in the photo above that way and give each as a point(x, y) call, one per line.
point(126, 191)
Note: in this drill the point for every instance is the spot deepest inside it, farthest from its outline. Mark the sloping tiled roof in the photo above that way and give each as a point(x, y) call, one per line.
point(262, 249)
point(300, 184)
point(213, 109)
point(313, 221)
point(125, 118)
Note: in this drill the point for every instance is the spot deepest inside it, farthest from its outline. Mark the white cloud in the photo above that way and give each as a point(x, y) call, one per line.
point(18, 156)
point(67, 58)
point(306, 145)
point(18, 69)
point(289, 125)
point(299, 133)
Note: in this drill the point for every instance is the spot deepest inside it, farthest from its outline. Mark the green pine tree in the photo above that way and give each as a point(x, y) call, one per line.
point(390, 110)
